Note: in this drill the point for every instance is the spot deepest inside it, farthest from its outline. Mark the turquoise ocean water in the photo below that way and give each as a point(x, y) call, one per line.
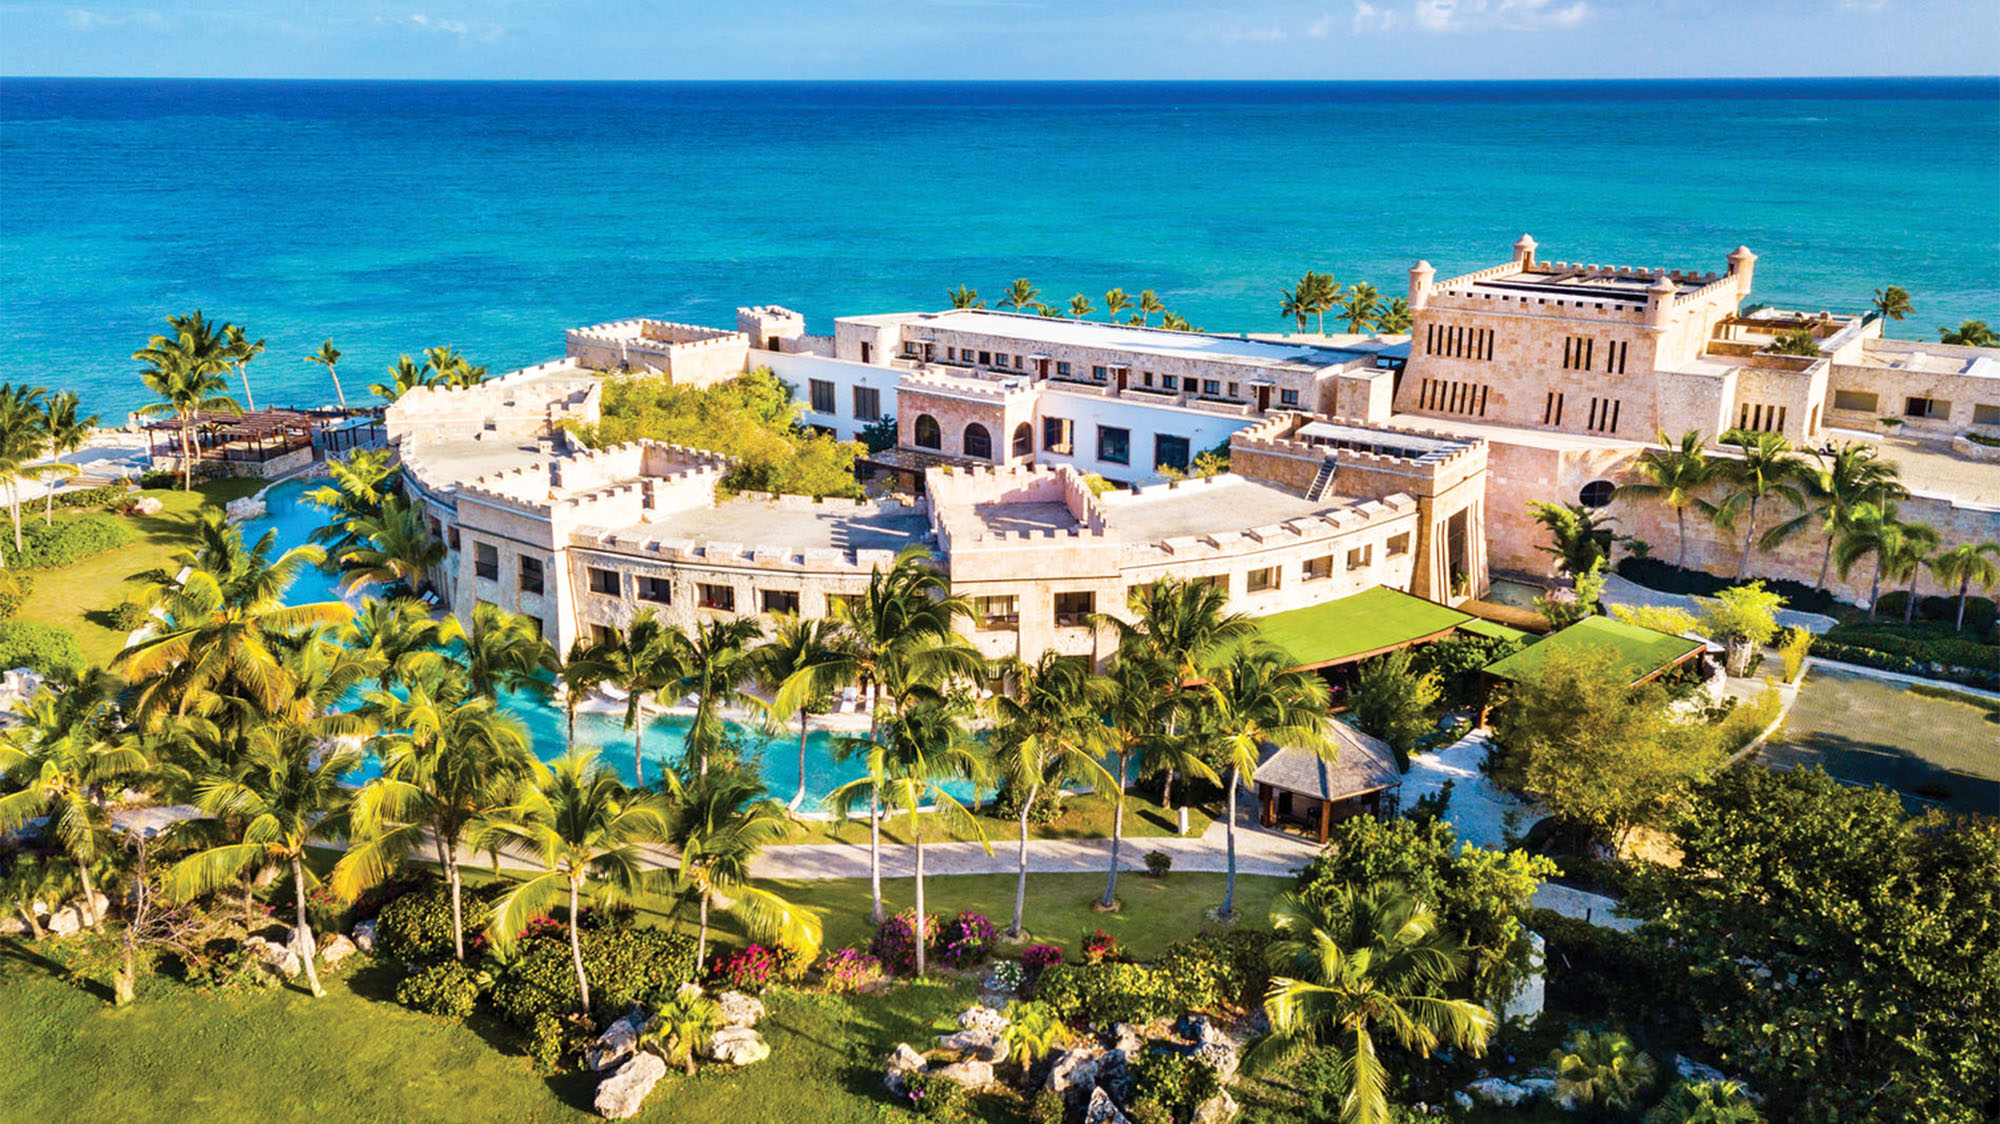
point(391, 216)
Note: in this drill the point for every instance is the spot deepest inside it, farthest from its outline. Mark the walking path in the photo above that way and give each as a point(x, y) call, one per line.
point(1624, 591)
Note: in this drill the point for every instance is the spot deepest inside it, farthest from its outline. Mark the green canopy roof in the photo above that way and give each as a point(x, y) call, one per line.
point(1375, 620)
point(1639, 652)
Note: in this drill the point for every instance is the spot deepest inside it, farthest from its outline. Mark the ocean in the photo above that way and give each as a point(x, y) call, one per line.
point(391, 216)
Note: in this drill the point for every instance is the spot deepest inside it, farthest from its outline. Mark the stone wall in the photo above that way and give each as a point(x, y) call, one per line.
point(687, 354)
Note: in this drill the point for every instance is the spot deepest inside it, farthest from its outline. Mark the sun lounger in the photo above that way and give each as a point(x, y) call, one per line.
point(848, 697)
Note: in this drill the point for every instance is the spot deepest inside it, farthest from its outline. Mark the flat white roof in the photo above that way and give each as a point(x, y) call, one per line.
point(1120, 337)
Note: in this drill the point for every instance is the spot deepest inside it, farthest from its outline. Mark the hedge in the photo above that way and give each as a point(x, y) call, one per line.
point(51, 651)
point(1980, 612)
point(1887, 661)
point(92, 497)
point(64, 542)
point(1669, 578)
point(16, 586)
point(626, 965)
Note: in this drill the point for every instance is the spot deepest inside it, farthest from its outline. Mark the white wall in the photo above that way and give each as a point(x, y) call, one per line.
point(1203, 430)
point(799, 369)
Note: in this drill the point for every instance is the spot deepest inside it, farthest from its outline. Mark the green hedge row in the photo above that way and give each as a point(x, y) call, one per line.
point(51, 651)
point(1669, 578)
point(92, 497)
point(1907, 665)
point(65, 542)
point(1198, 974)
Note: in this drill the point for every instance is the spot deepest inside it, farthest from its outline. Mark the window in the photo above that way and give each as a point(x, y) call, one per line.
point(822, 395)
point(1145, 378)
point(1170, 452)
point(1058, 435)
point(715, 597)
point(1398, 545)
point(1449, 396)
point(1552, 408)
point(1597, 493)
point(1062, 369)
point(977, 443)
point(986, 359)
point(1114, 445)
point(1211, 387)
point(843, 605)
point(1576, 352)
point(779, 601)
point(451, 536)
point(659, 591)
point(997, 612)
point(605, 581)
point(1024, 440)
point(1098, 373)
point(1860, 401)
point(437, 528)
point(1317, 569)
point(867, 403)
point(1360, 557)
point(867, 353)
point(1257, 581)
point(1604, 415)
point(1170, 382)
point(486, 560)
point(926, 433)
point(1232, 390)
point(1936, 408)
point(1072, 608)
point(1986, 414)
point(539, 626)
point(951, 353)
point(531, 574)
point(1288, 398)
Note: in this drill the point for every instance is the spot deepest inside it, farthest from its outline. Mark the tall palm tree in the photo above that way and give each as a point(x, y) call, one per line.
point(287, 791)
point(965, 296)
point(392, 547)
point(1149, 303)
point(447, 367)
point(1768, 469)
point(1186, 625)
point(1295, 303)
point(1366, 960)
point(398, 635)
point(1675, 474)
point(23, 435)
point(1254, 700)
point(65, 432)
point(719, 822)
point(799, 666)
point(1361, 306)
point(447, 761)
point(502, 651)
point(63, 755)
point(241, 351)
point(186, 370)
point(328, 356)
point(1174, 322)
point(1048, 733)
point(1576, 535)
point(714, 664)
point(1966, 565)
point(1395, 318)
point(1908, 555)
point(1139, 711)
point(581, 673)
point(639, 660)
point(1850, 475)
point(359, 486)
point(1892, 303)
point(1020, 294)
point(585, 829)
point(1080, 307)
point(1115, 302)
point(1317, 292)
point(1871, 529)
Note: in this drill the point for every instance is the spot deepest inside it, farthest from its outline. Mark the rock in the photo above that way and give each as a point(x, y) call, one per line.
point(1462, 1099)
point(984, 1018)
point(1495, 1090)
point(1075, 1070)
point(1125, 1038)
point(148, 505)
point(302, 942)
point(336, 949)
point(1525, 1001)
point(1102, 1109)
point(1538, 1086)
point(364, 936)
point(1215, 1109)
point(273, 958)
point(1219, 1056)
point(970, 1073)
point(1691, 1070)
point(13, 925)
point(1114, 1074)
point(903, 1061)
point(982, 1045)
point(738, 1009)
point(738, 1045)
point(616, 1043)
point(248, 507)
point(65, 922)
point(620, 1095)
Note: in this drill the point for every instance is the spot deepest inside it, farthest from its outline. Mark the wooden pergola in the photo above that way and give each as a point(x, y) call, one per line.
point(253, 437)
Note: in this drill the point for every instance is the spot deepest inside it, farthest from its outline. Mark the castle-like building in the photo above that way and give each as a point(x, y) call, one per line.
point(1394, 461)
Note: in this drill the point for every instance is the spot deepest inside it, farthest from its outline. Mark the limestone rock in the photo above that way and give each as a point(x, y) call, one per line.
point(982, 1017)
point(148, 505)
point(336, 949)
point(1462, 1099)
point(1102, 1109)
point(1075, 1070)
point(364, 936)
point(616, 1043)
point(248, 507)
point(1216, 1109)
point(621, 1095)
point(1526, 1000)
point(65, 922)
point(1125, 1038)
point(738, 1009)
point(971, 1073)
point(982, 1045)
point(277, 959)
point(13, 925)
point(1498, 1090)
point(1690, 1070)
point(303, 943)
point(1538, 1086)
point(738, 1045)
point(1219, 1056)
point(1114, 1074)
point(903, 1061)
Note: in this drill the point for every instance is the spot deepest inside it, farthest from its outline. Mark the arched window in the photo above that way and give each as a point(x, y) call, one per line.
point(927, 433)
point(978, 442)
point(1597, 493)
point(1024, 440)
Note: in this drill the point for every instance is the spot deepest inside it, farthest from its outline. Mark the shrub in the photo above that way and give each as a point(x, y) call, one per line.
point(51, 651)
point(1099, 947)
point(92, 497)
point(1102, 994)
point(417, 926)
point(1602, 973)
point(627, 965)
point(1214, 969)
point(1037, 958)
point(1148, 1109)
point(1793, 647)
point(1457, 662)
point(965, 940)
point(1175, 1080)
point(446, 989)
point(64, 542)
point(127, 615)
point(1653, 573)
point(1006, 805)
point(750, 969)
point(1008, 976)
point(1048, 1107)
point(933, 1096)
point(553, 1042)
point(16, 586)
point(1158, 863)
point(849, 969)
point(895, 942)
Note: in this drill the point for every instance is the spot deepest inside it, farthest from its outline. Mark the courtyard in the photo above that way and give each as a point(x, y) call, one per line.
point(1934, 745)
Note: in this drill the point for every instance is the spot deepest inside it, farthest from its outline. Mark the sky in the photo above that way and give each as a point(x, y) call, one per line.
point(1000, 39)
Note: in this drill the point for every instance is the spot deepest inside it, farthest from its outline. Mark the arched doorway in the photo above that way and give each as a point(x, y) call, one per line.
point(1024, 440)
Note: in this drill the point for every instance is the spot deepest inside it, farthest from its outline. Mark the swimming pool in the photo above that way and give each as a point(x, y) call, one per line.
point(294, 519)
point(1519, 595)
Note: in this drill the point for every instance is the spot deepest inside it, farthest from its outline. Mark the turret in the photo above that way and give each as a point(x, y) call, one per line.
point(1743, 267)
point(1421, 278)
point(1659, 299)
point(1524, 252)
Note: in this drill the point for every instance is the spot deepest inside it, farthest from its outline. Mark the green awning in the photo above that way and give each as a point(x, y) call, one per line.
point(1368, 623)
point(1494, 630)
point(1638, 652)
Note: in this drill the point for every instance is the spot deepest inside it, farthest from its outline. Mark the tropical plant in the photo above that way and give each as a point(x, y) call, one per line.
point(1395, 319)
point(584, 828)
point(640, 660)
point(1577, 534)
point(65, 432)
point(23, 433)
point(502, 651)
point(1253, 699)
point(185, 369)
point(1034, 1031)
point(1798, 341)
point(1742, 619)
point(1602, 1070)
point(1149, 303)
point(1393, 701)
point(1705, 1102)
point(1021, 294)
point(392, 547)
point(714, 664)
point(1139, 695)
point(1048, 732)
point(1909, 553)
point(1967, 565)
point(397, 636)
point(328, 356)
point(1115, 302)
point(241, 351)
point(799, 666)
point(1892, 303)
point(1363, 961)
point(580, 674)
point(1768, 468)
point(1971, 333)
point(359, 487)
point(405, 375)
point(683, 1025)
point(1080, 307)
point(719, 821)
point(447, 367)
point(965, 296)
point(287, 791)
point(1314, 295)
point(1675, 474)
point(61, 759)
point(1844, 478)
point(1174, 322)
point(1361, 306)
point(1871, 529)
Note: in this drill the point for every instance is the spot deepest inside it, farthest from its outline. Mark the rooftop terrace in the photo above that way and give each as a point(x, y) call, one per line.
point(1221, 504)
point(1121, 337)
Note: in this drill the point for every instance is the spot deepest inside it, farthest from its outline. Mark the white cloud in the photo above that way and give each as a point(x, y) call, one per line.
point(1870, 6)
point(1251, 35)
point(1318, 28)
point(482, 32)
point(1369, 18)
point(1447, 16)
point(84, 19)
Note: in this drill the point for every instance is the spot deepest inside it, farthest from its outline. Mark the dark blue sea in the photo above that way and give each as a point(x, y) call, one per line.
point(389, 216)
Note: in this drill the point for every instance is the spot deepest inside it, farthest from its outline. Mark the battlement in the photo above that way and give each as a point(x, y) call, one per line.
point(1299, 530)
point(966, 386)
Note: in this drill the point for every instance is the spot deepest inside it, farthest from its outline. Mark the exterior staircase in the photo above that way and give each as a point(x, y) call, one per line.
point(1322, 484)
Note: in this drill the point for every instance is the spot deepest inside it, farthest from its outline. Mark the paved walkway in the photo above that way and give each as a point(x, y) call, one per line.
point(1624, 591)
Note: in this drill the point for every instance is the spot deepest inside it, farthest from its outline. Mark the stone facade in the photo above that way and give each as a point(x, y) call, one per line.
point(685, 353)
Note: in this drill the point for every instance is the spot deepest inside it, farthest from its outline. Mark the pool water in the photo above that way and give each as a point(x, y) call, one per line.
point(294, 520)
point(1518, 595)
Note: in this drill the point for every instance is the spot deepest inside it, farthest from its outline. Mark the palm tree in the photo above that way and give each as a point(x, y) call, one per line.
point(1908, 555)
point(1080, 307)
point(1366, 959)
point(1675, 474)
point(405, 375)
point(398, 636)
point(1254, 700)
point(798, 666)
point(392, 547)
point(185, 370)
point(685, 1023)
point(714, 664)
point(1115, 302)
point(1705, 1102)
point(1851, 475)
point(447, 761)
point(1048, 733)
point(448, 368)
point(1149, 303)
point(1361, 306)
point(1295, 303)
point(1768, 469)
point(1315, 295)
point(719, 822)
point(328, 356)
point(1971, 333)
point(1047, 311)
point(63, 754)
point(65, 432)
point(585, 829)
point(1892, 303)
point(1138, 712)
point(241, 352)
point(361, 484)
point(1577, 534)
point(1602, 1070)
point(503, 651)
point(965, 296)
point(639, 660)
point(1396, 318)
point(23, 433)
point(580, 674)
point(1871, 529)
point(287, 791)
point(1174, 322)
point(1020, 294)
point(1967, 565)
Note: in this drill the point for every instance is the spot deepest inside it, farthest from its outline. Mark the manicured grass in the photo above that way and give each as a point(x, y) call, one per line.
point(79, 598)
point(1084, 817)
point(1868, 731)
point(1365, 622)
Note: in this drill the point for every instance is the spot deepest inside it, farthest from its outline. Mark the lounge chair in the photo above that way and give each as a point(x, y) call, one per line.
point(849, 696)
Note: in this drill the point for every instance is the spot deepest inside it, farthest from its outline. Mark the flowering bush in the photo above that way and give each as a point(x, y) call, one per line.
point(964, 940)
point(1008, 976)
point(1036, 957)
point(932, 1095)
point(751, 969)
point(895, 942)
point(849, 969)
point(1101, 946)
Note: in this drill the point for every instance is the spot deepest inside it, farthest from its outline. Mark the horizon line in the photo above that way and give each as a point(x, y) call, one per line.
point(1022, 81)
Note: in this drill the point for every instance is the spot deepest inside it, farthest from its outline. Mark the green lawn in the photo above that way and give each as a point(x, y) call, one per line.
point(1933, 743)
point(79, 598)
point(1084, 817)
